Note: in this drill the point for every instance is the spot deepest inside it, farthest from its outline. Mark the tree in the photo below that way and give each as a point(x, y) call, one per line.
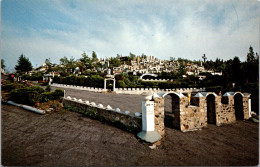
point(115, 62)
point(118, 56)
point(132, 56)
point(143, 56)
point(69, 64)
point(2, 63)
point(181, 70)
point(94, 56)
point(252, 66)
point(85, 59)
point(236, 71)
point(23, 64)
point(250, 55)
point(49, 64)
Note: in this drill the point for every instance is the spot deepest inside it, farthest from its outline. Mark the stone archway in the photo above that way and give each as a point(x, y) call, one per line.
point(108, 79)
point(238, 103)
point(153, 75)
point(172, 112)
point(211, 109)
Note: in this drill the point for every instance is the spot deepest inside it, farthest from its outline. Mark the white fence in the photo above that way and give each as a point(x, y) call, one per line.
point(130, 90)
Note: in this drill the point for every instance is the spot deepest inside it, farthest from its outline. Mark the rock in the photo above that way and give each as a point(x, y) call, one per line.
point(109, 107)
point(93, 104)
point(137, 114)
point(152, 147)
point(100, 106)
point(80, 100)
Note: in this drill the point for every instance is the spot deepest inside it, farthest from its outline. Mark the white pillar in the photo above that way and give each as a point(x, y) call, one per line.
point(148, 115)
point(105, 84)
point(148, 132)
point(114, 85)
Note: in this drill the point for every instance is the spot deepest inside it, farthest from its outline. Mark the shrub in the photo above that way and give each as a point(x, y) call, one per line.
point(31, 95)
point(25, 96)
point(46, 96)
point(37, 89)
point(121, 84)
point(11, 86)
point(57, 94)
point(48, 88)
point(57, 79)
point(8, 87)
point(44, 83)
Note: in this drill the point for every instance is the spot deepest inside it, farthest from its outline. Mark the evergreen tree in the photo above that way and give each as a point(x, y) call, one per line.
point(115, 62)
point(23, 64)
point(236, 71)
point(252, 66)
point(2, 63)
point(94, 56)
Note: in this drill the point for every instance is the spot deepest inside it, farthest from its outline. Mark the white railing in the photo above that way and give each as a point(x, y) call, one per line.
point(130, 90)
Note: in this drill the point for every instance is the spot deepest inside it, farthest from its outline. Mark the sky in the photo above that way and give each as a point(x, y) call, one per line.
point(162, 28)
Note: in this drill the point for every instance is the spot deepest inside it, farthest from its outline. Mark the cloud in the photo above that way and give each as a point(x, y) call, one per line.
point(220, 29)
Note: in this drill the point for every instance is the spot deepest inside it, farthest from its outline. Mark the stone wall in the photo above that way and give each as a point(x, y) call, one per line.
point(246, 107)
point(130, 122)
point(226, 110)
point(192, 117)
point(159, 115)
point(184, 116)
point(188, 117)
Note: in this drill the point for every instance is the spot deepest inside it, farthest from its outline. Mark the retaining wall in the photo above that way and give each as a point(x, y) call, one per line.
point(130, 122)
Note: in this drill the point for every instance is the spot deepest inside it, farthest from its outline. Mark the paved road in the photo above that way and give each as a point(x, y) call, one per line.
point(132, 103)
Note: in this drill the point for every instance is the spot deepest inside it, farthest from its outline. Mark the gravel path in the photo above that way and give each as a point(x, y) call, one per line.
point(68, 139)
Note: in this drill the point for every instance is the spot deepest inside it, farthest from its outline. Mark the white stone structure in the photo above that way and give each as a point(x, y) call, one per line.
point(107, 78)
point(148, 132)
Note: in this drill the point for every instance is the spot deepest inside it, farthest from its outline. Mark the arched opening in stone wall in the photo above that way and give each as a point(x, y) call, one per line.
point(211, 109)
point(172, 111)
point(109, 84)
point(238, 100)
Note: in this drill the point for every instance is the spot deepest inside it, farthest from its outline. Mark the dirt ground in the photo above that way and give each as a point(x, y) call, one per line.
point(68, 139)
